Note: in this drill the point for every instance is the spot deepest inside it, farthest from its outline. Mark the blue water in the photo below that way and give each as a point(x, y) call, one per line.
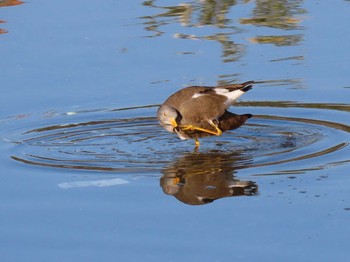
point(88, 174)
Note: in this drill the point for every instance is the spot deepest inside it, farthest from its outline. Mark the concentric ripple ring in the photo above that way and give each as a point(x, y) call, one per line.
point(130, 140)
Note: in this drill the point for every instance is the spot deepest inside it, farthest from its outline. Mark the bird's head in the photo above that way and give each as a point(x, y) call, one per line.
point(167, 116)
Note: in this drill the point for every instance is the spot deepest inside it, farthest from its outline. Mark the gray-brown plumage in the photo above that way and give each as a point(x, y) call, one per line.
point(200, 111)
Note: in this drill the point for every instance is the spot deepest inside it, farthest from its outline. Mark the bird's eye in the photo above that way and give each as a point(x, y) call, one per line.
point(164, 114)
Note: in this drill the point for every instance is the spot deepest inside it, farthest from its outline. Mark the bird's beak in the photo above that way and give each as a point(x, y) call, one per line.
point(173, 122)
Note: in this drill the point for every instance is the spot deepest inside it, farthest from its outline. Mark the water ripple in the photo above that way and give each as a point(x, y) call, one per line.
point(130, 140)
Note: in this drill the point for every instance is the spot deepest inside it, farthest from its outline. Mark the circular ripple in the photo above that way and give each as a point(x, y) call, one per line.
point(130, 140)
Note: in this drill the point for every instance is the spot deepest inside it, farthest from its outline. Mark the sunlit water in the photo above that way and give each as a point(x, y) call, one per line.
point(131, 140)
point(89, 175)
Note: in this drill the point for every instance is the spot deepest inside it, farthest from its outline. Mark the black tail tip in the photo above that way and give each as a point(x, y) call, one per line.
point(247, 86)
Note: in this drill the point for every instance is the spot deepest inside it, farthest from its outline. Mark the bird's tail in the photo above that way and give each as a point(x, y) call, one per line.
point(233, 92)
point(229, 121)
point(246, 86)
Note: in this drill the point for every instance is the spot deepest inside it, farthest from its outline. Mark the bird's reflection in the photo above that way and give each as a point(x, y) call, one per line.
point(201, 178)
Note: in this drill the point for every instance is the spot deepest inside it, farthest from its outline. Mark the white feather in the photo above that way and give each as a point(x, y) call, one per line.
point(231, 96)
point(197, 95)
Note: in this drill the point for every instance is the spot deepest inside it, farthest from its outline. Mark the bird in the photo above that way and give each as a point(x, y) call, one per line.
point(199, 111)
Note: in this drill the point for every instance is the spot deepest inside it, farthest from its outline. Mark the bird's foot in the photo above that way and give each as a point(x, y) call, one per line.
point(217, 131)
point(187, 127)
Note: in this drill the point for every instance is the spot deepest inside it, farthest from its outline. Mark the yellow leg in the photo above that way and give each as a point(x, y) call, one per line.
point(197, 144)
point(218, 132)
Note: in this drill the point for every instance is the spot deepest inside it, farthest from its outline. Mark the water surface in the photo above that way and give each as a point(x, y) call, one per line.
point(88, 174)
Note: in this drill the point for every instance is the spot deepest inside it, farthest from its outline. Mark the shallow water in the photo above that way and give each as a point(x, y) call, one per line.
point(130, 140)
point(88, 174)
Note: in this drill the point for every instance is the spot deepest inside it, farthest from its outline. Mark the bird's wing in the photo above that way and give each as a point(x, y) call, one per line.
point(183, 95)
point(204, 107)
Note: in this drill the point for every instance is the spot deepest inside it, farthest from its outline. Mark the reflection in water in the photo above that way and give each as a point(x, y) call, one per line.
point(2, 31)
point(280, 40)
point(288, 58)
point(197, 14)
point(296, 82)
point(276, 14)
point(287, 104)
point(192, 14)
point(231, 50)
point(201, 178)
point(10, 2)
point(4, 3)
point(280, 14)
point(97, 183)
